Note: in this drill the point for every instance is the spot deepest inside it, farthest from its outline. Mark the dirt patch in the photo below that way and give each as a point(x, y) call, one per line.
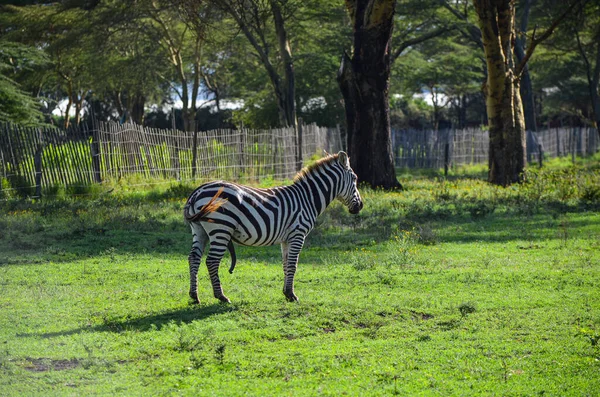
point(46, 364)
point(421, 316)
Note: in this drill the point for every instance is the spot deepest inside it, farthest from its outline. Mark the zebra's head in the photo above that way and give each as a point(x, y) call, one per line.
point(349, 194)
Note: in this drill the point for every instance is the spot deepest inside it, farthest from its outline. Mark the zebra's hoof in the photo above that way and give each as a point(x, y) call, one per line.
point(194, 297)
point(290, 296)
point(223, 299)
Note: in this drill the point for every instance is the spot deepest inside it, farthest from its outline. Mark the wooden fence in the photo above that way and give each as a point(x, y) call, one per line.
point(446, 148)
point(40, 160)
point(36, 161)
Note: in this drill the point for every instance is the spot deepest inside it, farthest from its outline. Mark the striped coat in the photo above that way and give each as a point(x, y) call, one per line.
point(220, 213)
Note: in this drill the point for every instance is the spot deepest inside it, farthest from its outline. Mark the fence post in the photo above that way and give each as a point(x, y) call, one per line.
point(529, 146)
point(573, 144)
point(37, 162)
point(242, 154)
point(3, 176)
point(541, 154)
point(339, 136)
point(174, 147)
point(175, 158)
point(195, 149)
point(95, 151)
point(447, 154)
point(299, 145)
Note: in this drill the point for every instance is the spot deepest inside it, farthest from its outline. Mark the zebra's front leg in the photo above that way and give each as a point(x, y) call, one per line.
point(218, 245)
point(199, 243)
point(290, 252)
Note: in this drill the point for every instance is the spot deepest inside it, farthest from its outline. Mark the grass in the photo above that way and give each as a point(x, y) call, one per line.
point(452, 287)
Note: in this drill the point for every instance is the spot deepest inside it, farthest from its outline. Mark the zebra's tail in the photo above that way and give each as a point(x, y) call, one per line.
point(213, 205)
point(233, 258)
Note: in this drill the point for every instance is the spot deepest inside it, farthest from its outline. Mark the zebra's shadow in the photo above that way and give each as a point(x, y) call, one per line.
point(184, 315)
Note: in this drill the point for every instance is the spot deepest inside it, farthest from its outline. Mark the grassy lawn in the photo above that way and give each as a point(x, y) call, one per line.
point(452, 287)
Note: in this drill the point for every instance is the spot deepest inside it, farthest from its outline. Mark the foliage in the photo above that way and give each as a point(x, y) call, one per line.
point(563, 67)
point(412, 296)
point(16, 104)
point(115, 57)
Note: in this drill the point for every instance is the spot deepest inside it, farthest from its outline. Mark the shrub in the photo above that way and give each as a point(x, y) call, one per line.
point(54, 191)
point(590, 193)
point(179, 191)
point(22, 187)
point(466, 308)
point(81, 188)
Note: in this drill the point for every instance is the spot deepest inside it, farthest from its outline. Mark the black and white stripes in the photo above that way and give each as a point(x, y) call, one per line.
point(220, 213)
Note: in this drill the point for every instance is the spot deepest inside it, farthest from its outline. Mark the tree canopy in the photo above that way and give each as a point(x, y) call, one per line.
point(266, 62)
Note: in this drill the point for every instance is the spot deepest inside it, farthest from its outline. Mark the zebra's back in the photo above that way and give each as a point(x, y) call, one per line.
point(252, 216)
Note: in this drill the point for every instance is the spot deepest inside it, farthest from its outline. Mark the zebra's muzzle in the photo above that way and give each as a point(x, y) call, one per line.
point(356, 207)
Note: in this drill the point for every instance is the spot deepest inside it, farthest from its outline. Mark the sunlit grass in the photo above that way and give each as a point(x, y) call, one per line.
point(450, 287)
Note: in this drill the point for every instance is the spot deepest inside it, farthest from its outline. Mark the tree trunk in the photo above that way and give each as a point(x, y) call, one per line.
point(195, 84)
point(187, 113)
point(138, 101)
point(117, 96)
point(462, 111)
point(289, 83)
point(595, 84)
point(78, 100)
point(436, 107)
point(593, 78)
point(364, 81)
point(502, 92)
point(526, 85)
point(528, 99)
point(67, 121)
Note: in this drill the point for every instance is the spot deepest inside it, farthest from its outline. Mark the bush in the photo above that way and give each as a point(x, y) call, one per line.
point(179, 191)
point(54, 191)
point(21, 186)
point(81, 188)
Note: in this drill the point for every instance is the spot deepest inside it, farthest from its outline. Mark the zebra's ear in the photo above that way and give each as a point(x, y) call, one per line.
point(344, 160)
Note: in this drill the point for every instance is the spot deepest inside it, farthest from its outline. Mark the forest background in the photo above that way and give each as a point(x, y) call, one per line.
point(218, 63)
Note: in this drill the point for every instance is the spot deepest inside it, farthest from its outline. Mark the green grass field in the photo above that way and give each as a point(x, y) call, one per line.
point(452, 287)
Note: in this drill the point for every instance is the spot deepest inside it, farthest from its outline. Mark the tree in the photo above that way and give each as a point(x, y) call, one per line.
point(588, 44)
point(526, 84)
point(415, 22)
point(564, 75)
point(447, 69)
point(255, 18)
point(57, 31)
point(364, 80)
point(179, 32)
point(16, 105)
point(496, 19)
point(316, 31)
point(323, 27)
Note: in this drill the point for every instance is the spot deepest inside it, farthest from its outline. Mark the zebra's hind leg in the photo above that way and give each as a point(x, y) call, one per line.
point(218, 245)
point(200, 238)
point(290, 252)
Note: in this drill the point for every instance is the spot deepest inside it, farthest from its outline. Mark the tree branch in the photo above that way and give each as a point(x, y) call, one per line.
point(536, 41)
point(585, 58)
point(417, 40)
point(170, 83)
point(472, 32)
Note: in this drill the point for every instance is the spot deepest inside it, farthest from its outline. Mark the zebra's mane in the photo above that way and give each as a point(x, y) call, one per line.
point(309, 169)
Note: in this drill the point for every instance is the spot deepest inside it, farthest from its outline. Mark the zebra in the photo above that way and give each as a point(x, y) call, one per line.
point(220, 213)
